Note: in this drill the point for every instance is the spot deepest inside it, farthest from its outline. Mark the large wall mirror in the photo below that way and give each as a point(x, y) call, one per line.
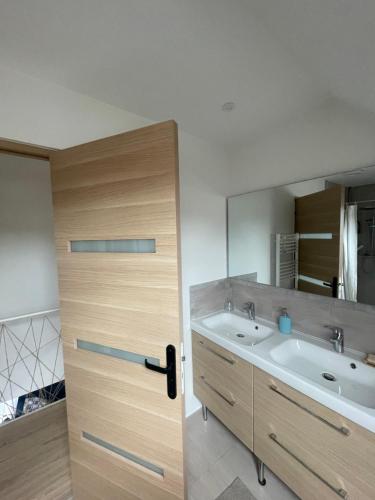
point(317, 236)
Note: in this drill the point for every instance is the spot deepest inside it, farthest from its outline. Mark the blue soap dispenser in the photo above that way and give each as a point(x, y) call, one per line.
point(285, 322)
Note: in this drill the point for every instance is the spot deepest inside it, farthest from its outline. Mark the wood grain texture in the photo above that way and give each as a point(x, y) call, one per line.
point(320, 212)
point(34, 456)
point(319, 258)
point(305, 286)
point(346, 462)
point(122, 187)
point(226, 387)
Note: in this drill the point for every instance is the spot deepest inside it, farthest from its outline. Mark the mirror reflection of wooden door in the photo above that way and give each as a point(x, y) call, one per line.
point(319, 221)
point(116, 223)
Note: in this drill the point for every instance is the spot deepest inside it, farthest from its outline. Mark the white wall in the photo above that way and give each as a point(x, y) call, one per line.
point(42, 113)
point(28, 280)
point(27, 250)
point(329, 139)
point(306, 187)
point(203, 223)
point(253, 221)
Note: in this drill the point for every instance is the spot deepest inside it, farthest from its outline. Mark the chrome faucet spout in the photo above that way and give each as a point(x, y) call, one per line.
point(249, 307)
point(337, 338)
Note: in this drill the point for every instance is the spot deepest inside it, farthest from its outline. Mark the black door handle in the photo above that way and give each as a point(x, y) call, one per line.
point(334, 285)
point(169, 370)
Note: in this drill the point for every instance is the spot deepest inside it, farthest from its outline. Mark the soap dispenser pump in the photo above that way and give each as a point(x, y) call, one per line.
point(285, 322)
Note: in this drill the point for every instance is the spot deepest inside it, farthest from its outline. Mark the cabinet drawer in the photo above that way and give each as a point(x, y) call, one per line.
point(317, 452)
point(209, 352)
point(232, 371)
point(224, 383)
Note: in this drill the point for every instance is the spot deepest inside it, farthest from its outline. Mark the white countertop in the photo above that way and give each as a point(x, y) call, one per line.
point(259, 356)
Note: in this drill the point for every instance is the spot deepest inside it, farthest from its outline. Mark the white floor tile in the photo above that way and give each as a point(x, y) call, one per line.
point(216, 457)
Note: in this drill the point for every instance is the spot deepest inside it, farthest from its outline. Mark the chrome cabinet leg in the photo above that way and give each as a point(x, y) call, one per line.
point(204, 412)
point(261, 479)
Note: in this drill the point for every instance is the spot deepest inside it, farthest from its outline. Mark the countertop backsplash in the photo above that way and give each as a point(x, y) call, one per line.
point(310, 313)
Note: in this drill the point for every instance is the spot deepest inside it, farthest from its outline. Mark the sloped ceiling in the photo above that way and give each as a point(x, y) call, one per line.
point(333, 39)
point(183, 59)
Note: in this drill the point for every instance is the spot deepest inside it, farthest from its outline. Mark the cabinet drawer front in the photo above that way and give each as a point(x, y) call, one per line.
point(305, 484)
point(211, 352)
point(235, 373)
point(337, 455)
point(213, 390)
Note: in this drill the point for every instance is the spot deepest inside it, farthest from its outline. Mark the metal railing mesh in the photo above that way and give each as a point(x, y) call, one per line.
point(31, 363)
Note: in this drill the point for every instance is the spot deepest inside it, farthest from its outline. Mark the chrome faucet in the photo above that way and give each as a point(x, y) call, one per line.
point(228, 305)
point(337, 338)
point(249, 307)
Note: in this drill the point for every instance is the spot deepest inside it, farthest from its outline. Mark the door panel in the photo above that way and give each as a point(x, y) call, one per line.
point(126, 434)
point(135, 222)
point(320, 259)
point(305, 286)
point(320, 212)
point(156, 188)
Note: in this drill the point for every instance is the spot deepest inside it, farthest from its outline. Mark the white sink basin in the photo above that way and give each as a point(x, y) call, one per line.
point(339, 373)
point(237, 329)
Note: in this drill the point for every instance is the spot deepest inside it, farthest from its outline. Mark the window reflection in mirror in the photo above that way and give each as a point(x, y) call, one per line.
point(316, 236)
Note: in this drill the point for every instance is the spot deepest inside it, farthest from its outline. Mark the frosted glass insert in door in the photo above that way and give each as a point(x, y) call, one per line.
point(114, 246)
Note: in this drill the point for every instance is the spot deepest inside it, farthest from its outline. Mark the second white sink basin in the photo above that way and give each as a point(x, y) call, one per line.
point(236, 328)
point(339, 373)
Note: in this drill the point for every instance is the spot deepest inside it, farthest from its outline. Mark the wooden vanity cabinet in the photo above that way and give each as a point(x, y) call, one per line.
point(224, 383)
point(317, 452)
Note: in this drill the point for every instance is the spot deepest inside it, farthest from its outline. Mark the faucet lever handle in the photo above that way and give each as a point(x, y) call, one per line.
point(337, 331)
point(247, 305)
point(337, 338)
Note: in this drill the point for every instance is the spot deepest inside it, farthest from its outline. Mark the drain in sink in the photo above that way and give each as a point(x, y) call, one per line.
point(240, 335)
point(329, 377)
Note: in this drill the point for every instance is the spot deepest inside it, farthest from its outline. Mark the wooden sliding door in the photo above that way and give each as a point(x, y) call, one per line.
point(117, 237)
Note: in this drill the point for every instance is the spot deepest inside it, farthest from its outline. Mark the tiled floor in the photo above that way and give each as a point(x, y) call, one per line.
point(215, 458)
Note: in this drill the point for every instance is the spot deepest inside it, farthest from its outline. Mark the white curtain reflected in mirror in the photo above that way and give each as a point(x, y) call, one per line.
point(350, 254)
